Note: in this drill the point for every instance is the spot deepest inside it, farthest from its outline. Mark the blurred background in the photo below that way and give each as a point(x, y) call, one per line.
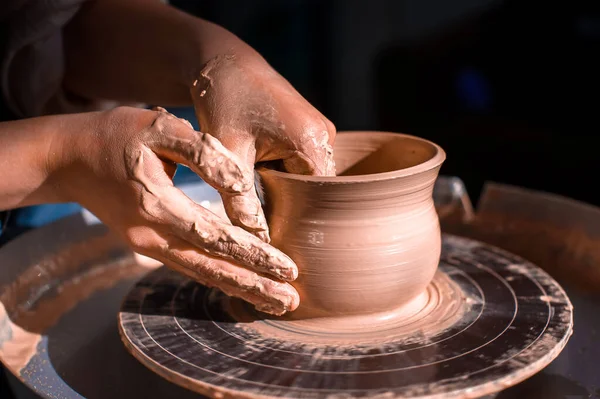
point(508, 88)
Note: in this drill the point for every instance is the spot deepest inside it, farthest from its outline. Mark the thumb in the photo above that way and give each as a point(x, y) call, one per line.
point(244, 208)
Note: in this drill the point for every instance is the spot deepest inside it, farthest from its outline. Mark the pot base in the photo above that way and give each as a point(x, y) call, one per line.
point(440, 306)
point(499, 320)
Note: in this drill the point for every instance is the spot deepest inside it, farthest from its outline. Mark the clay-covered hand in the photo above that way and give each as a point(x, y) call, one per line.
point(125, 159)
point(259, 116)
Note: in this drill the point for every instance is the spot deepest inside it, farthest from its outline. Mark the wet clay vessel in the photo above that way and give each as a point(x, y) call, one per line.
point(367, 240)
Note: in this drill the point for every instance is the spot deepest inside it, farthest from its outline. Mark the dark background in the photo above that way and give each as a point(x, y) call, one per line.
point(508, 88)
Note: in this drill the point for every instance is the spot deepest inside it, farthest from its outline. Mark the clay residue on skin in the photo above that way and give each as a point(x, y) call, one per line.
point(193, 240)
point(259, 116)
point(243, 209)
point(204, 153)
point(329, 159)
point(216, 239)
point(319, 141)
point(367, 241)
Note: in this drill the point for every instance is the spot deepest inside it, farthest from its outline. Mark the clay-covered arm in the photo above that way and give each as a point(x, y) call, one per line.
point(118, 164)
point(147, 51)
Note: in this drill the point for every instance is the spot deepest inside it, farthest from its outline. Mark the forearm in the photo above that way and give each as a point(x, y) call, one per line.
point(141, 51)
point(29, 152)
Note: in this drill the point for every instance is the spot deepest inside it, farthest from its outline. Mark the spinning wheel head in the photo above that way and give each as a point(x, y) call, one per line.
point(489, 320)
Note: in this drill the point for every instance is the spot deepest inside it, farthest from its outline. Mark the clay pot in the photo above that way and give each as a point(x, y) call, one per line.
point(367, 240)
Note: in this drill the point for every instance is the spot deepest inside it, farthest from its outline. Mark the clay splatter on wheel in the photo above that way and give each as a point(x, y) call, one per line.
point(499, 320)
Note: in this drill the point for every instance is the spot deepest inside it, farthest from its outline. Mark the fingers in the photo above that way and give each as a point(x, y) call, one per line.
point(331, 130)
point(227, 172)
point(175, 139)
point(211, 251)
point(266, 295)
point(172, 210)
point(232, 243)
point(244, 209)
point(313, 151)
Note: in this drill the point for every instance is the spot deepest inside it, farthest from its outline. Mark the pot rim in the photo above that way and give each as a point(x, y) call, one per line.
point(435, 161)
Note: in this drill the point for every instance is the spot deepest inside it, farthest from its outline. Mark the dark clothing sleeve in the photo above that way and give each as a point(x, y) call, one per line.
point(3, 220)
point(32, 60)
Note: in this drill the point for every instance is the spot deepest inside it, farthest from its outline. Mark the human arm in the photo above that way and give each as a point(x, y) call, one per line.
point(118, 164)
point(144, 50)
point(26, 159)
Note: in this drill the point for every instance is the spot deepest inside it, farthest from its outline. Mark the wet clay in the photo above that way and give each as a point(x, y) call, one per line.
point(439, 306)
point(368, 240)
point(259, 124)
point(486, 321)
point(197, 243)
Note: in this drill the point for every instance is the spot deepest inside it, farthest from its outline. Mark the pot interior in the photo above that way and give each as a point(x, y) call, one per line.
point(366, 153)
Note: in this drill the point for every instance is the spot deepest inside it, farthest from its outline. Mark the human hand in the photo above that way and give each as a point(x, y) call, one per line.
point(238, 97)
point(259, 116)
point(121, 168)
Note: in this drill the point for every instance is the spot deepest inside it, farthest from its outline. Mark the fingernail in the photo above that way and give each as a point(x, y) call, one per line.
point(280, 298)
point(294, 303)
point(288, 270)
point(255, 223)
point(246, 212)
point(293, 274)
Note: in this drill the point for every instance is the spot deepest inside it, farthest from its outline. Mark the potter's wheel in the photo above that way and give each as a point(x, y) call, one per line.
point(500, 320)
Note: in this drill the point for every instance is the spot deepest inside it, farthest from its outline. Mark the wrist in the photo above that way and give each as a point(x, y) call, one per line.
point(67, 153)
point(29, 155)
point(59, 150)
